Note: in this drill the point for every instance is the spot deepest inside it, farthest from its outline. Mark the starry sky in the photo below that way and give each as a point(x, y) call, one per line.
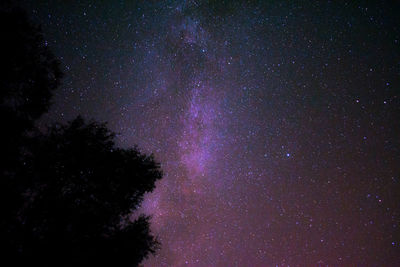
point(276, 122)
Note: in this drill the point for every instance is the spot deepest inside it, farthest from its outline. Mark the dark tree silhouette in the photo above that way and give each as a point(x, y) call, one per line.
point(29, 74)
point(67, 195)
point(83, 191)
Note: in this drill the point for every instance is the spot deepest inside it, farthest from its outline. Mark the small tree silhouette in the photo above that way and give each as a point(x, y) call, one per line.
point(29, 73)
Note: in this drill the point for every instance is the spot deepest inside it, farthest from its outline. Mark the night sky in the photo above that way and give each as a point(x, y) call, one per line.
point(276, 124)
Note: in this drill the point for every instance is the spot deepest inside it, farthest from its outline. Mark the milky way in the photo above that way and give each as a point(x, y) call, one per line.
point(276, 125)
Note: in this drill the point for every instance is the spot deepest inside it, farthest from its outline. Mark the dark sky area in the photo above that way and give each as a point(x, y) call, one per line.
point(276, 122)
